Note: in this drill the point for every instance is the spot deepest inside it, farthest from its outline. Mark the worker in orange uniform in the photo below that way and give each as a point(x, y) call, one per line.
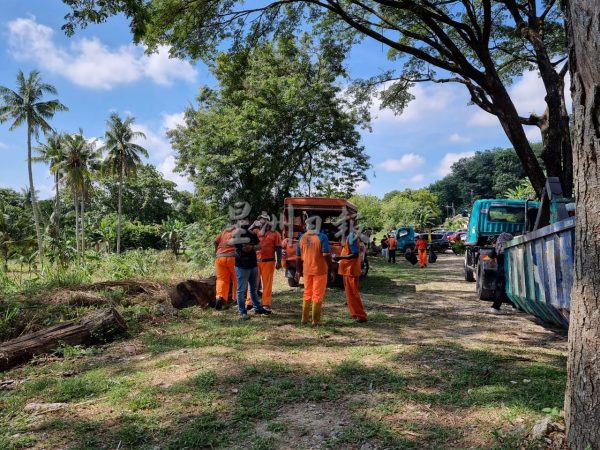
point(313, 262)
point(349, 267)
point(225, 266)
point(269, 258)
point(392, 246)
point(421, 247)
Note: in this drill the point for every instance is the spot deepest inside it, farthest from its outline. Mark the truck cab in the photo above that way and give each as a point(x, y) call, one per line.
point(406, 238)
point(490, 218)
point(329, 210)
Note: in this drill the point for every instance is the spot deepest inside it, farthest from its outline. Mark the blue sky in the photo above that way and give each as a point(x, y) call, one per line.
point(98, 71)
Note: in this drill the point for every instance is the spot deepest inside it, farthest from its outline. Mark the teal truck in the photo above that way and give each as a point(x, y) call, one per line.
point(406, 238)
point(490, 218)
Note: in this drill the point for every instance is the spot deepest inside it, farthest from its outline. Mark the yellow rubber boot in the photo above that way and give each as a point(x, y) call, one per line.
point(316, 313)
point(305, 312)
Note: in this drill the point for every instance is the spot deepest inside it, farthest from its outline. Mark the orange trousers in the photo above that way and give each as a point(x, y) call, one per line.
point(314, 288)
point(225, 270)
point(422, 258)
point(266, 271)
point(357, 311)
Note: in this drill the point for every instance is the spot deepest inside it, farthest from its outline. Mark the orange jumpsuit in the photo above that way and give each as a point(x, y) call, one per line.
point(312, 247)
point(421, 246)
point(350, 269)
point(225, 264)
point(269, 241)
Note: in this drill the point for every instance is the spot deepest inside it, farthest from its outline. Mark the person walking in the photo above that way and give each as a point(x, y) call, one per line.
point(225, 266)
point(313, 262)
point(392, 245)
point(246, 268)
point(349, 268)
point(421, 248)
point(269, 259)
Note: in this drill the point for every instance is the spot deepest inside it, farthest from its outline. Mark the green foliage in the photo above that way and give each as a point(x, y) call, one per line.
point(458, 247)
point(487, 174)
point(370, 209)
point(278, 126)
point(523, 191)
point(410, 207)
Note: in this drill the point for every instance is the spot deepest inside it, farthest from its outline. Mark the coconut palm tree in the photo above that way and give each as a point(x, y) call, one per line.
point(80, 161)
point(53, 153)
point(122, 156)
point(26, 106)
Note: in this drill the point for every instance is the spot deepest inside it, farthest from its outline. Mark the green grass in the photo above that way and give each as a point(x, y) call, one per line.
point(231, 385)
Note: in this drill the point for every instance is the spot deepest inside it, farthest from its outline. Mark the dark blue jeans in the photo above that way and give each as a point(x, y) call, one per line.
point(245, 277)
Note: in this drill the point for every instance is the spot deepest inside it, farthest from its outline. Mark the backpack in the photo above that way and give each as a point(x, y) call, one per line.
point(432, 256)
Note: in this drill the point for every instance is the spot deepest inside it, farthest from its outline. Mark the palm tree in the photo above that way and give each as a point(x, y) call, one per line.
point(53, 153)
point(25, 106)
point(123, 156)
point(80, 161)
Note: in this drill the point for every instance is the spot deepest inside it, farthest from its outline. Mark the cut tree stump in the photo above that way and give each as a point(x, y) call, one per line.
point(99, 326)
point(194, 293)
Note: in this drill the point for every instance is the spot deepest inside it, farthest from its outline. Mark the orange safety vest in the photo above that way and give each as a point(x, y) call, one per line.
point(349, 267)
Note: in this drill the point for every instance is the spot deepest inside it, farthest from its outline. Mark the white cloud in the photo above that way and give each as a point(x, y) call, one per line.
point(458, 139)
point(450, 158)
point(528, 95)
point(428, 99)
point(172, 121)
point(406, 162)
point(417, 178)
point(3, 145)
point(362, 186)
point(160, 151)
point(90, 63)
point(533, 134)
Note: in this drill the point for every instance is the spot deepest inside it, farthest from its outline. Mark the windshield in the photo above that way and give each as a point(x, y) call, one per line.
point(513, 214)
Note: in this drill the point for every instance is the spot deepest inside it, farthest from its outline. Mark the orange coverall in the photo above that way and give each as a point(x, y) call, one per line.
point(225, 264)
point(350, 269)
point(312, 247)
point(421, 246)
point(269, 241)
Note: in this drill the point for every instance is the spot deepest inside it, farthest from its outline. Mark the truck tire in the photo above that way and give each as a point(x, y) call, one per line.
point(468, 273)
point(408, 247)
point(483, 294)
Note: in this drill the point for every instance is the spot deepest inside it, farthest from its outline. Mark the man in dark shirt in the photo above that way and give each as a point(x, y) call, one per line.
point(246, 268)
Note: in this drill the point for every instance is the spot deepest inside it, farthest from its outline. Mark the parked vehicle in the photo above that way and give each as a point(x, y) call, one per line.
point(439, 242)
point(296, 211)
point(489, 219)
point(406, 239)
point(539, 265)
point(452, 237)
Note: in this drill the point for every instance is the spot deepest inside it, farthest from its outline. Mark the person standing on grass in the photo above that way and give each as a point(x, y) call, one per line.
point(421, 248)
point(392, 245)
point(501, 296)
point(313, 263)
point(349, 267)
point(246, 268)
point(225, 266)
point(384, 247)
point(269, 259)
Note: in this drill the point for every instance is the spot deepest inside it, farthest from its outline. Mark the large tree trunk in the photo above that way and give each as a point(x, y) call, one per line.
point(99, 326)
point(34, 205)
point(582, 400)
point(119, 210)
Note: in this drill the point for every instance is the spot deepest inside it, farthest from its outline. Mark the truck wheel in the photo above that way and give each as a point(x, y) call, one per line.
point(483, 294)
point(468, 273)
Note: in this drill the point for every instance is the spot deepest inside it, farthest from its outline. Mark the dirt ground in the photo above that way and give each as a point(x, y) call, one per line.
point(432, 369)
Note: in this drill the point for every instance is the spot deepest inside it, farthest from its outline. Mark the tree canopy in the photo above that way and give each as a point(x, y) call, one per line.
point(481, 44)
point(279, 125)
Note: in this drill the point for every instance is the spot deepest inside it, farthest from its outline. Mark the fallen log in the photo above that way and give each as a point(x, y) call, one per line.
point(99, 326)
point(194, 293)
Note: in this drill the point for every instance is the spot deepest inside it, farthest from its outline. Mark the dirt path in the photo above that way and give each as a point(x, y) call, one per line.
point(431, 370)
